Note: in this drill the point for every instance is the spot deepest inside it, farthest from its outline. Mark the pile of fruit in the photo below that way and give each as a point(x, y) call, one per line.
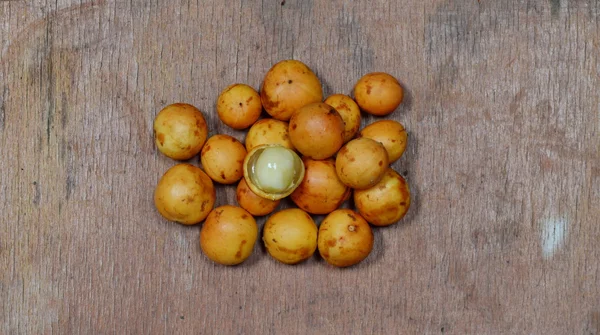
point(308, 149)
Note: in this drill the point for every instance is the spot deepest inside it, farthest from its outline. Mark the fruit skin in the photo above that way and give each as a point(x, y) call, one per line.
point(361, 163)
point(290, 236)
point(385, 203)
point(228, 235)
point(378, 93)
point(345, 238)
point(254, 204)
point(287, 86)
point(239, 106)
point(390, 133)
point(180, 131)
point(349, 111)
point(222, 158)
point(248, 174)
point(321, 191)
point(317, 130)
point(268, 131)
point(184, 194)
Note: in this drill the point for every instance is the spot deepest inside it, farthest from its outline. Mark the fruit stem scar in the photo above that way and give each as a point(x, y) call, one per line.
point(352, 228)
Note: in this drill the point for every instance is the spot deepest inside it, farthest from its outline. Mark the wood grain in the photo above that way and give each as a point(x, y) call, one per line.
point(503, 114)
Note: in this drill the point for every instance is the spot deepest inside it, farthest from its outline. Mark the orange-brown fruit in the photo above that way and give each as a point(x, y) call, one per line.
point(361, 163)
point(385, 203)
point(184, 194)
point(268, 131)
point(223, 159)
point(256, 205)
point(349, 112)
point(321, 191)
point(238, 106)
point(345, 238)
point(390, 133)
point(228, 235)
point(290, 236)
point(289, 85)
point(180, 131)
point(378, 93)
point(317, 130)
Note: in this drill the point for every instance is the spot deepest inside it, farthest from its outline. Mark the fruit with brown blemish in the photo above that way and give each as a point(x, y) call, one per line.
point(287, 86)
point(228, 235)
point(317, 130)
point(378, 93)
point(290, 236)
point(386, 202)
point(239, 106)
point(184, 194)
point(361, 163)
point(390, 133)
point(268, 131)
point(180, 131)
point(349, 111)
point(345, 238)
point(253, 203)
point(321, 190)
point(223, 158)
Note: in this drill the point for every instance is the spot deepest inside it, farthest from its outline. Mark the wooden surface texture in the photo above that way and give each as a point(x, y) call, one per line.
point(503, 114)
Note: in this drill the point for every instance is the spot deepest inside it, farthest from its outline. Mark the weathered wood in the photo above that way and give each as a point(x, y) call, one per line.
point(503, 114)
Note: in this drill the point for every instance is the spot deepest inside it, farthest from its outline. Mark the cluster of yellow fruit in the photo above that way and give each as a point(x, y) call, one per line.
point(309, 149)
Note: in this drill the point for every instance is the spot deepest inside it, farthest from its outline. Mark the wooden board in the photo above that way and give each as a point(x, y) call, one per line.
point(503, 114)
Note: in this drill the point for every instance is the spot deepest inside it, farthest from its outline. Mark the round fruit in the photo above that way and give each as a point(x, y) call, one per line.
point(223, 159)
point(386, 202)
point(289, 85)
point(238, 106)
point(345, 238)
point(268, 131)
point(361, 163)
point(228, 235)
point(349, 112)
point(290, 236)
point(390, 133)
point(184, 194)
point(180, 131)
point(272, 171)
point(256, 205)
point(321, 191)
point(317, 130)
point(378, 93)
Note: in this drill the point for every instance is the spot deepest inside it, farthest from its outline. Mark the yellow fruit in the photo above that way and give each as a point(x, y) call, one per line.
point(345, 238)
point(184, 194)
point(228, 235)
point(180, 131)
point(290, 236)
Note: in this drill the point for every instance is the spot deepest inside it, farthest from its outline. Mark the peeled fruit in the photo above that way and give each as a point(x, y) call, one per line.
point(321, 191)
point(273, 171)
point(378, 93)
point(238, 106)
point(345, 238)
point(254, 204)
point(184, 194)
point(361, 163)
point(290, 236)
point(349, 112)
point(390, 133)
point(228, 235)
point(223, 159)
point(386, 202)
point(268, 131)
point(287, 86)
point(180, 131)
point(317, 130)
